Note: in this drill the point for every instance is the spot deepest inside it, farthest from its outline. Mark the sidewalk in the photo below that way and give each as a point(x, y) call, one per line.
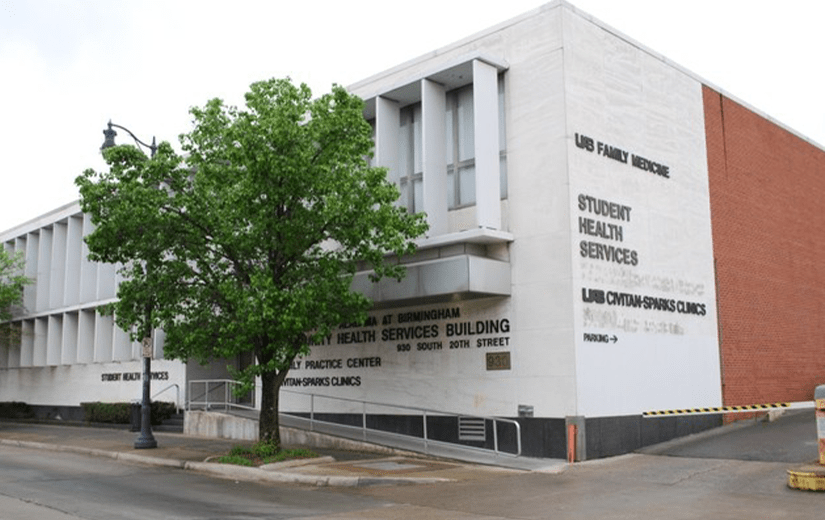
point(333, 468)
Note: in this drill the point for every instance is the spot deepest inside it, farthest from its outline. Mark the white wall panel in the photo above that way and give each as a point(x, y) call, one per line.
point(68, 354)
point(44, 268)
point(88, 270)
point(486, 129)
point(86, 336)
point(70, 385)
point(74, 240)
point(645, 309)
point(57, 276)
point(122, 350)
point(15, 349)
point(433, 139)
point(41, 332)
point(27, 344)
point(106, 276)
point(387, 122)
point(32, 256)
point(54, 339)
point(104, 339)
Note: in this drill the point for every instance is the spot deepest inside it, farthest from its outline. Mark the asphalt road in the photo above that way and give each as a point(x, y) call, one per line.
point(629, 487)
point(791, 438)
point(56, 485)
point(733, 473)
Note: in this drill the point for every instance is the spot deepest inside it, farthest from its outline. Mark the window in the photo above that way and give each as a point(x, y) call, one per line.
point(410, 163)
point(460, 149)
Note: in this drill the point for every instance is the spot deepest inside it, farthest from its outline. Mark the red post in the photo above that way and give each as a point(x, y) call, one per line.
point(571, 443)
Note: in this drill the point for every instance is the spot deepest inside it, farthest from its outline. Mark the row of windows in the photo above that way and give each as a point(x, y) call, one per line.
point(460, 151)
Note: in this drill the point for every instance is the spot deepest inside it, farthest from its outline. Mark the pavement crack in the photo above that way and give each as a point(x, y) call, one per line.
point(695, 473)
point(41, 504)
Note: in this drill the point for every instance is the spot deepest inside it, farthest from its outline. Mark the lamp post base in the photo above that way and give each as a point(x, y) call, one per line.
point(143, 443)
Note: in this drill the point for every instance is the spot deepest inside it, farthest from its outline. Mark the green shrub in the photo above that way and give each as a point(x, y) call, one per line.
point(263, 453)
point(236, 460)
point(109, 413)
point(297, 453)
point(121, 413)
point(15, 410)
point(240, 451)
point(162, 410)
point(264, 450)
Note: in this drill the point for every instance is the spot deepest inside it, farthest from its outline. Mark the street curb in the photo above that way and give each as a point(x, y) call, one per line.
point(232, 472)
point(254, 474)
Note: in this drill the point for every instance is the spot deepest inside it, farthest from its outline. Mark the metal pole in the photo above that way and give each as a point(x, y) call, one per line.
point(146, 439)
point(495, 436)
point(364, 420)
point(424, 423)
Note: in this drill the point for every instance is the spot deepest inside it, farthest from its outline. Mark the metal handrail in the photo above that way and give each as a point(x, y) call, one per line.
point(423, 411)
point(225, 403)
point(177, 395)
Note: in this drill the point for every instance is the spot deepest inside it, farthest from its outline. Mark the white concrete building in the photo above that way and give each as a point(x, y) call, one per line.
point(568, 275)
point(69, 353)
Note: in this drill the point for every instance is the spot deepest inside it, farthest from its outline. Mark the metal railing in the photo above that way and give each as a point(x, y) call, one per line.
point(360, 408)
point(216, 394)
point(177, 395)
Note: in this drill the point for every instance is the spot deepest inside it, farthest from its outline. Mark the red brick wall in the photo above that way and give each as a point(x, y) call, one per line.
point(767, 199)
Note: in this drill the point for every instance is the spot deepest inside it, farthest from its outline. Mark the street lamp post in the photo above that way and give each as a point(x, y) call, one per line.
point(145, 440)
point(109, 139)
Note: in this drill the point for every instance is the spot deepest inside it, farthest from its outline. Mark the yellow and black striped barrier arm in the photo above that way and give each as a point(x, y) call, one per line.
point(727, 409)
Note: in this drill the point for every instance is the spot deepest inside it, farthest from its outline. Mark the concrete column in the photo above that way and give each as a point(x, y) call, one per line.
point(68, 354)
point(74, 239)
point(387, 123)
point(486, 125)
point(41, 331)
point(14, 350)
point(159, 340)
point(54, 340)
point(88, 270)
point(106, 286)
point(433, 143)
point(57, 277)
point(32, 256)
point(86, 336)
point(122, 348)
point(104, 335)
point(44, 269)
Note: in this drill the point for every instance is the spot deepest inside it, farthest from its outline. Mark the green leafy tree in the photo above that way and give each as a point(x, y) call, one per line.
point(12, 282)
point(251, 243)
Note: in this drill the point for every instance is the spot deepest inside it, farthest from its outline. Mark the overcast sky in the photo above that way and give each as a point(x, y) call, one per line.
point(69, 66)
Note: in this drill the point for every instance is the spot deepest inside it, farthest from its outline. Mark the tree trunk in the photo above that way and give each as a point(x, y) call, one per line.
point(269, 424)
point(268, 427)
